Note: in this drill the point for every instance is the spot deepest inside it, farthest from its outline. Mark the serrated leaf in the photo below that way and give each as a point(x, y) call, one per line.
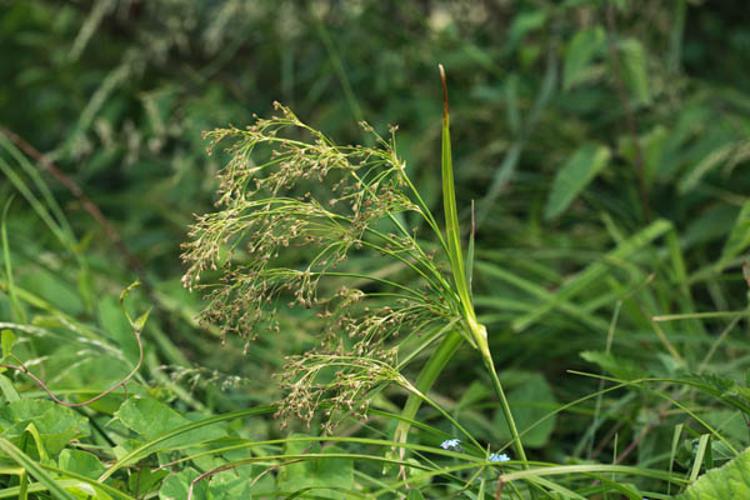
point(581, 51)
point(574, 176)
point(729, 481)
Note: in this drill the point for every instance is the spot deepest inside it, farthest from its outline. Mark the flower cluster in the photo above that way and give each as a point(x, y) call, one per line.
point(451, 444)
point(298, 222)
point(498, 458)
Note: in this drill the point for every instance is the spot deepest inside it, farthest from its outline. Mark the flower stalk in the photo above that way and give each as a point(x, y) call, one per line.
point(477, 332)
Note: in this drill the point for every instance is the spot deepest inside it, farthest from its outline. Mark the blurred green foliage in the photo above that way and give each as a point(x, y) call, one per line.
point(604, 144)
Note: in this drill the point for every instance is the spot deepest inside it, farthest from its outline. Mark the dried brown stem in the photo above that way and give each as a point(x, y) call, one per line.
point(499, 487)
point(114, 236)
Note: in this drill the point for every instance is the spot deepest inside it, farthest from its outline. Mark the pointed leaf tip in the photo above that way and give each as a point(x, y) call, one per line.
point(444, 82)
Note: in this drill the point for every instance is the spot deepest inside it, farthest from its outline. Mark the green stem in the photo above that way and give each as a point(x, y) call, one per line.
point(478, 332)
point(425, 381)
point(505, 405)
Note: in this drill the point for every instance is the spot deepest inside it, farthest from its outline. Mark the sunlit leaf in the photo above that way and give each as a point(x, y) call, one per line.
point(729, 481)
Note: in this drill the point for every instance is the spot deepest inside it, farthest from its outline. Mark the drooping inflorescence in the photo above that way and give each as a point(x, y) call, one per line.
point(298, 221)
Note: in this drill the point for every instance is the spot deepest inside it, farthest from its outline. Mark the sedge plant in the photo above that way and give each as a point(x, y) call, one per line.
point(345, 233)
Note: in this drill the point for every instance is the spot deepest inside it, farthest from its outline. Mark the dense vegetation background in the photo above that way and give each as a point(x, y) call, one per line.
point(604, 145)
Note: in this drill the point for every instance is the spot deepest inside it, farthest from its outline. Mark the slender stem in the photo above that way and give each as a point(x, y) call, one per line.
point(441, 410)
point(478, 332)
point(505, 405)
point(425, 380)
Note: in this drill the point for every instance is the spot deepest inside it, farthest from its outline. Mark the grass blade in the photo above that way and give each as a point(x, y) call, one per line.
point(34, 469)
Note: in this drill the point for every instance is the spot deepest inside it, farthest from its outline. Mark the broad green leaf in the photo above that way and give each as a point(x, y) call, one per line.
point(146, 480)
point(56, 425)
point(732, 480)
point(151, 418)
point(7, 339)
point(531, 400)
point(583, 48)
point(116, 324)
point(241, 482)
point(176, 486)
point(93, 374)
point(730, 423)
point(316, 473)
point(574, 176)
point(80, 462)
point(143, 450)
point(34, 469)
point(635, 65)
point(41, 451)
point(9, 392)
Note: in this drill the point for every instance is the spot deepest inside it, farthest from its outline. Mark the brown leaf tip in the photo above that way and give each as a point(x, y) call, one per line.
point(444, 83)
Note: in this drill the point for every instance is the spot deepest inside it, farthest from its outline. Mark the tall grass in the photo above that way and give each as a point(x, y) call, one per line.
point(581, 336)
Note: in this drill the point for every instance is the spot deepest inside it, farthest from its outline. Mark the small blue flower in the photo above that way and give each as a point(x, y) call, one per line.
point(451, 444)
point(499, 458)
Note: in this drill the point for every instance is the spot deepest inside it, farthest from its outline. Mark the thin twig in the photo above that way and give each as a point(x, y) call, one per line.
point(43, 385)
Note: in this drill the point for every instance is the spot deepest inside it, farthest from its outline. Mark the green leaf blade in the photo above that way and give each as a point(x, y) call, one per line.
point(574, 176)
point(732, 480)
point(581, 51)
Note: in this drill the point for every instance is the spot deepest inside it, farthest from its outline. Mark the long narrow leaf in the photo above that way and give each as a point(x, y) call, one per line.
point(34, 469)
